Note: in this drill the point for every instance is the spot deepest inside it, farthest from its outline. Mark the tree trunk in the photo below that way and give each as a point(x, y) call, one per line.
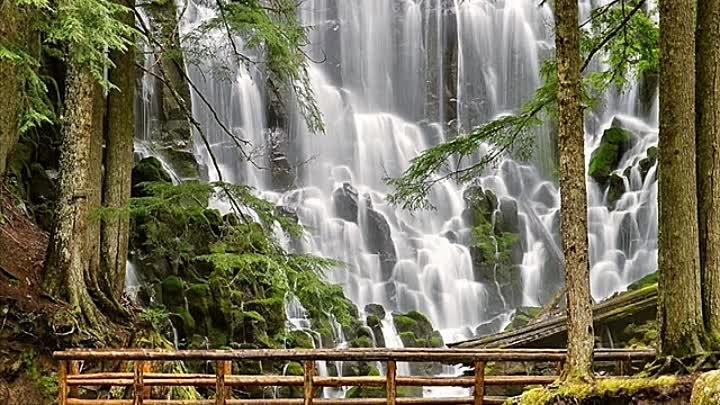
point(679, 305)
point(118, 167)
point(11, 21)
point(68, 262)
point(573, 194)
point(708, 155)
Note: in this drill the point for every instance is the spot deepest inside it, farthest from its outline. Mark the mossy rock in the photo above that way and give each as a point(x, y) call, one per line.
point(649, 161)
point(300, 339)
point(615, 142)
point(707, 389)
point(602, 391)
point(373, 321)
point(381, 392)
point(173, 291)
point(362, 341)
point(148, 170)
point(616, 189)
point(522, 317)
point(376, 310)
point(182, 162)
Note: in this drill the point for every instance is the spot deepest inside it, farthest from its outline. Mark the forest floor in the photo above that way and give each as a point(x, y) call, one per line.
point(24, 246)
point(23, 353)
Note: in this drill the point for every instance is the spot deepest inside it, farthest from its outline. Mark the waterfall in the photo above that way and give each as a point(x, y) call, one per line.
point(397, 77)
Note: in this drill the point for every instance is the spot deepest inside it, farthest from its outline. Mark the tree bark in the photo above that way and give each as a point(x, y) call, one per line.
point(118, 166)
point(68, 263)
point(573, 194)
point(11, 22)
point(708, 157)
point(679, 305)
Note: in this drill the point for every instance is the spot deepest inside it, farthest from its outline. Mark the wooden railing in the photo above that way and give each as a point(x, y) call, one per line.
point(223, 381)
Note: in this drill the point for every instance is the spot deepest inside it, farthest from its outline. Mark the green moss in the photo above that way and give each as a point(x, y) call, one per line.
point(373, 321)
point(148, 170)
point(300, 339)
point(707, 389)
point(404, 323)
point(522, 317)
point(173, 292)
point(602, 389)
point(380, 392)
point(362, 341)
point(418, 317)
point(604, 160)
point(294, 369)
point(408, 339)
point(646, 281)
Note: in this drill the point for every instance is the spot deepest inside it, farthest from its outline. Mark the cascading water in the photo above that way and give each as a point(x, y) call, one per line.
point(400, 76)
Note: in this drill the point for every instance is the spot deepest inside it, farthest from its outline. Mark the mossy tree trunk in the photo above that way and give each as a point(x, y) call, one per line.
point(708, 157)
point(11, 23)
point(679, 314)
point(70, 260)
point(573, 194)
point(118, 166)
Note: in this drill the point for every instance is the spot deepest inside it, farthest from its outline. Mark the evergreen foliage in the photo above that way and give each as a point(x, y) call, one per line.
point(230, 268)
point(272, 30)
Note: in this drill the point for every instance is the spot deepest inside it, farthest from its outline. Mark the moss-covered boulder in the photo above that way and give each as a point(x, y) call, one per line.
point(182, 162)
point(375, 314)
point(415, 330)
point(616, 188)
point(148, 170)
point(649, 161)
point(381, 392)
point(480, 205)
point(605, 159)
point(522, 317)
point(707, 389)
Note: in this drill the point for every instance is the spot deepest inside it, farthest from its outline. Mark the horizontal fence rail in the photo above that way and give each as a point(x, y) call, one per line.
point(142, 379)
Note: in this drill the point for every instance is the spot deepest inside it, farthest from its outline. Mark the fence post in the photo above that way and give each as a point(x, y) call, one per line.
point(391, 384)
point(228, 371)
point(220, 382)
point(479, 382)
point(73, 369)
point(138, 384)
point(308, 383)
point(62, 382)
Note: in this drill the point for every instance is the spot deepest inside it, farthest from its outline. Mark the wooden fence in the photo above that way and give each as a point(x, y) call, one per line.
point(223, 381)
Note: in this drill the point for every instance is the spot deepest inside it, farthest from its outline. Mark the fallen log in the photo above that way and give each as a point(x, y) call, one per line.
point(633, 306)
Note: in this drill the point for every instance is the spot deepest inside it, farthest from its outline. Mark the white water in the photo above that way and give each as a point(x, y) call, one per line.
point(388, 91)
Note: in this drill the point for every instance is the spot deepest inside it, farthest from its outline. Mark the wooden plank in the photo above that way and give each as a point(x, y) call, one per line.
point(421, 355)
point(308, 389)
point(286, 381)
point(220, 382)
point(391, 386)
point(138, 384)
point(62, 383)
point(299, 401)
point(227, 364)
point(479, 395)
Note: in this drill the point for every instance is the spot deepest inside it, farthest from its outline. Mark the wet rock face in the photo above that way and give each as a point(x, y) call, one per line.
point(375, 227)
point(283, 174)
point(378, 240)
point(345, 200)
point(480, 205)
